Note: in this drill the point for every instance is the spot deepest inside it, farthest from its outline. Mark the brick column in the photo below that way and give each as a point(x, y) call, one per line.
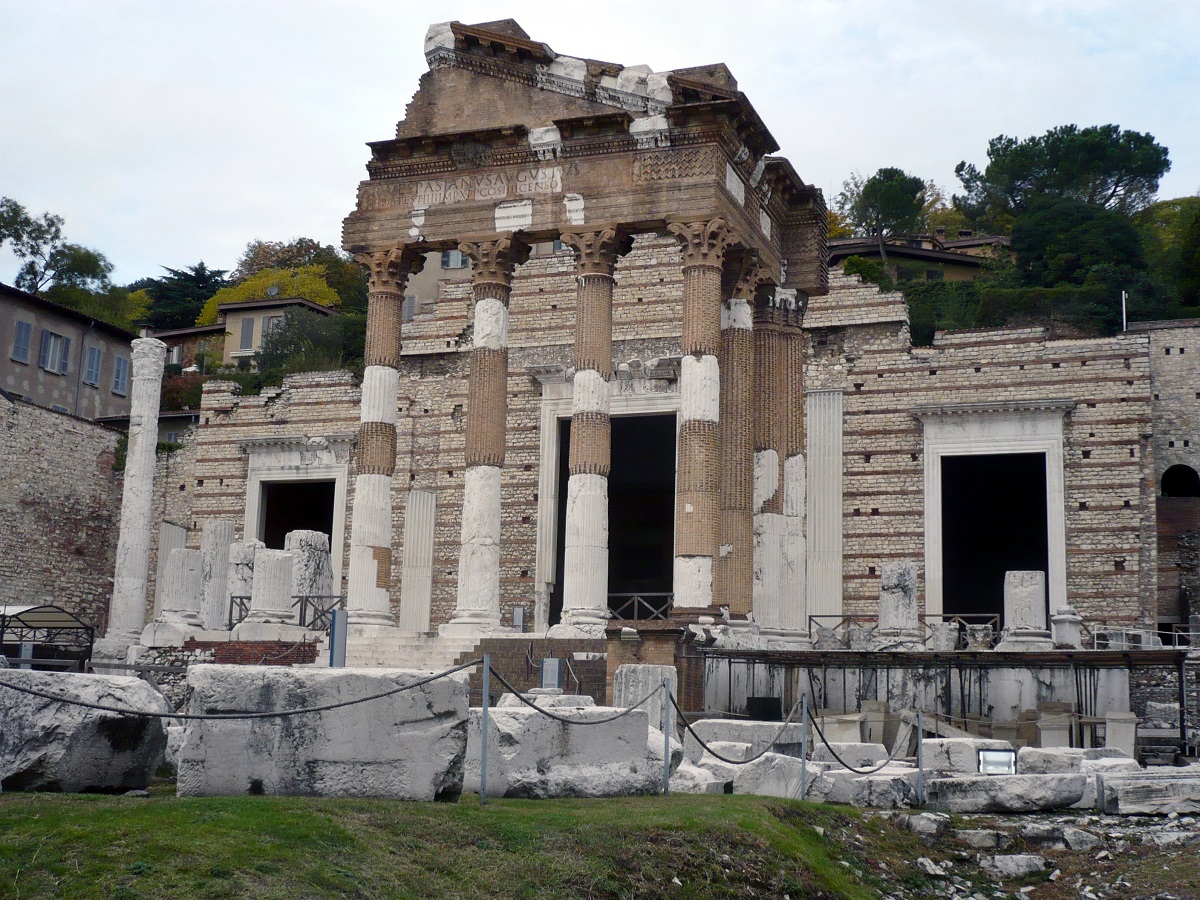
point(733, 569)
point(698, 482)
point(368, 598)
point(585, 569)
point(478, 608)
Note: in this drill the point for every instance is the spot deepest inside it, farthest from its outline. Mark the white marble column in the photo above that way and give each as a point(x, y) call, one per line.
point(271, 595)
point(416, 585)
point(180, 593)
point(127, 612)
point(824, 434)
point(215, 539)
point(312, 571)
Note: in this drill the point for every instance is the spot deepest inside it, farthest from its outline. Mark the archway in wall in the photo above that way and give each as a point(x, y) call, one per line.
point(993, 521)
point(1180, 481)
point(641, 508)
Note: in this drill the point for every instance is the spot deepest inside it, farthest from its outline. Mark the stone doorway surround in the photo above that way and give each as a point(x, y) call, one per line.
point(639, 389)
point(293, 459)
point(969, 429)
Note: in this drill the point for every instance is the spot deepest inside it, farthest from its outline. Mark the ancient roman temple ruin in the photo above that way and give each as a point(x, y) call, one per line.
point(644, 421)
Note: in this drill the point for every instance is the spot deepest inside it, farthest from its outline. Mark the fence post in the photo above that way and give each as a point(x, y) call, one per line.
point(666, 726)
point(804, 745)
point(483, 730)
point(920, 762)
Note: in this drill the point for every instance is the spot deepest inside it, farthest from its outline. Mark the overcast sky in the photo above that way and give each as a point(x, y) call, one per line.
point(166, 133)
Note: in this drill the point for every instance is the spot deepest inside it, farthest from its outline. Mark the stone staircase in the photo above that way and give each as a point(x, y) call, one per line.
point(408, 651)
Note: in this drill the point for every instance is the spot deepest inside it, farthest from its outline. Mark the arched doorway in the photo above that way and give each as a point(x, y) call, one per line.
point(1180, 481)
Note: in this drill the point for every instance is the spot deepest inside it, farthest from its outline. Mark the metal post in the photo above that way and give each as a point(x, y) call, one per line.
point(1183, 736)
point(666, 726)
point(483, 730)
point(920, 762)
point(804, 745)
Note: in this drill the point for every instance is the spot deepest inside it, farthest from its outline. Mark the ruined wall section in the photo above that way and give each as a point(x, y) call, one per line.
point(59, 507)
point(857, 341)
point(174, 483)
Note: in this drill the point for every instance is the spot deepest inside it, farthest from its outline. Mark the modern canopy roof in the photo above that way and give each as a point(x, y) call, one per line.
point(42, 624)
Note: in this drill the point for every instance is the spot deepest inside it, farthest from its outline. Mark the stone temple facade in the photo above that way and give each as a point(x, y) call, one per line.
point(652, 397)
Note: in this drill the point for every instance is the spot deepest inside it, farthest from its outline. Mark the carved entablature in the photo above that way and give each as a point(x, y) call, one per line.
point(494, 260)
point(703, 243)
point(596, 252)
point(388, 270)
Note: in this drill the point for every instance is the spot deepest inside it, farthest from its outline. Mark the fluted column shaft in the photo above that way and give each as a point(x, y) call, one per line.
point(478, 604)
point(585, 570)
point(368, 598)
point(127, 613)
point(698, 490)
point(733, 569)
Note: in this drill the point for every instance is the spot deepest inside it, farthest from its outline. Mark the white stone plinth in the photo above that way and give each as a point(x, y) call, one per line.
point(899, 623)
point(271, 595)
point(1025, 612)
point(215, 539)
point(180, 594)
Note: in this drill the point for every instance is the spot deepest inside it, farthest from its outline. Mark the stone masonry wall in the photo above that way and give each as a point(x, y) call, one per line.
point(860, 344)
point(59, 507)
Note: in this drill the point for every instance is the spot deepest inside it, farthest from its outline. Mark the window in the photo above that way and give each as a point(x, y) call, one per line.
point(175, 354)
point(92, 374)
point(409, 309)
point(247, 342)
point(172, 437)
point(120, 375)
point(54, 353)
point(270, 323)
point(22, 338)
point(58, 408)
point(453, 259)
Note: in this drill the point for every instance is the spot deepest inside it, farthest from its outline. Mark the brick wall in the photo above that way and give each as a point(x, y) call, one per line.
point(59, 510)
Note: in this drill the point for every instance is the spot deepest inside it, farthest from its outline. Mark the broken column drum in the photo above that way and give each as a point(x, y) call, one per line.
point(182, 589)
point(271, 596)
point(899, 624)
point(1025, 612)
point(698, 496)
point(215, 539)
point(312, 573)
point(127, 613)
point(477, 610)
point(368, 598)
point(585, 572)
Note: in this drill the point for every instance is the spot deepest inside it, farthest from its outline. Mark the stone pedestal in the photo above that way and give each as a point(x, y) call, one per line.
point(239, 581)
point(271, 594)
point(312, 571)
point(943, 637)
point(1025, 613)
point(899, 625)
point(215, 539)
point(1068, 628)
point(1120, 731)
point(633, 682)
point(180, 596)
point(127, 612)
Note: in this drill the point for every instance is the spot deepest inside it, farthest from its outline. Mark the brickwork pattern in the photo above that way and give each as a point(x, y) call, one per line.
point(733, 569)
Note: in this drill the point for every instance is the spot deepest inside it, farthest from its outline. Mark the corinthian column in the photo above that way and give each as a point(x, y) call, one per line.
point(478, 608)
point(368, 598)
point(127, 613)
point(698, 491)
point(585, 569)
point(733, 569)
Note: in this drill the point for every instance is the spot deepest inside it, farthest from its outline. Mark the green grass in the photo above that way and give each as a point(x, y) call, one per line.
point(124, 847)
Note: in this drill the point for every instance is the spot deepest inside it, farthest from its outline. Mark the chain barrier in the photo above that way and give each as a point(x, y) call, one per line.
point(516, 693)
point(724, 759)
point(239, 715)
point(887, 762)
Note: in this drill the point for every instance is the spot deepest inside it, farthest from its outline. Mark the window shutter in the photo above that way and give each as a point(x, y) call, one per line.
point(445, 259)
point(247, 333)
point(44, 350)
point(64, 367)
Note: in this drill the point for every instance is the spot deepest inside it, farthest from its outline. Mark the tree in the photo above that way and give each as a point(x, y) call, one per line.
point(1062, 241)
point(307, 282)
point(886, 204)
point(1163, 228)
point(345, 276)
point(307, 342)
point(179, 295)
point(1189, 263)
point(46, 258)
point(1099, 165)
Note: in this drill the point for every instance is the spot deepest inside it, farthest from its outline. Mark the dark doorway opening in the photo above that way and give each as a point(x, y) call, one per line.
point(993, 521)
point(641, 508)
point(293, 505)
point(1180, 481)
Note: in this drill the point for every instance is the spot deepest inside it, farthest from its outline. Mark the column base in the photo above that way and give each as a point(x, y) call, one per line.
point(479, 625)
point(568, 630)
point(370, 617)
point(1024, 640)
point(123, 648)
point(169, 634)
point(779, 639)
point(272, 631)
point(901, 639)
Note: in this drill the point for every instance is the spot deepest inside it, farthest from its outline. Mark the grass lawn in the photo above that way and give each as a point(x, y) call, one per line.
point(84, 846)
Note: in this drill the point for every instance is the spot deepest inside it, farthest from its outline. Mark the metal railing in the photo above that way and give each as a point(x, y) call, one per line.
point(976, 631)
point(640, 607)
point(313, 611)
point(239, 607)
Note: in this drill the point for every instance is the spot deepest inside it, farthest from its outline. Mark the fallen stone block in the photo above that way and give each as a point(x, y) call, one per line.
point(1049, 760)
point(858, 755)
point(984, 838)
point(174, 742)
point(546, 701)
point(49, 745)
point(689, 779)
point(408, 746)
point(757, 734)
point(1005, 793)
point(1151, 794)
point(1013, 865)
point(884, 791)
point(1079, 840)
point(771, 775)
point(838, 785)
point(1120, 766)
point(958, 756)
point(533, 756)
point(654, 748)
point(928, 825)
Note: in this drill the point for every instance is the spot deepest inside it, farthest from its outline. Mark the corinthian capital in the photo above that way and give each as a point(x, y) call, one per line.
point(744, 273)
point(703, 243)
point(388, 270)
point(596, 252)
point(495, 260)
